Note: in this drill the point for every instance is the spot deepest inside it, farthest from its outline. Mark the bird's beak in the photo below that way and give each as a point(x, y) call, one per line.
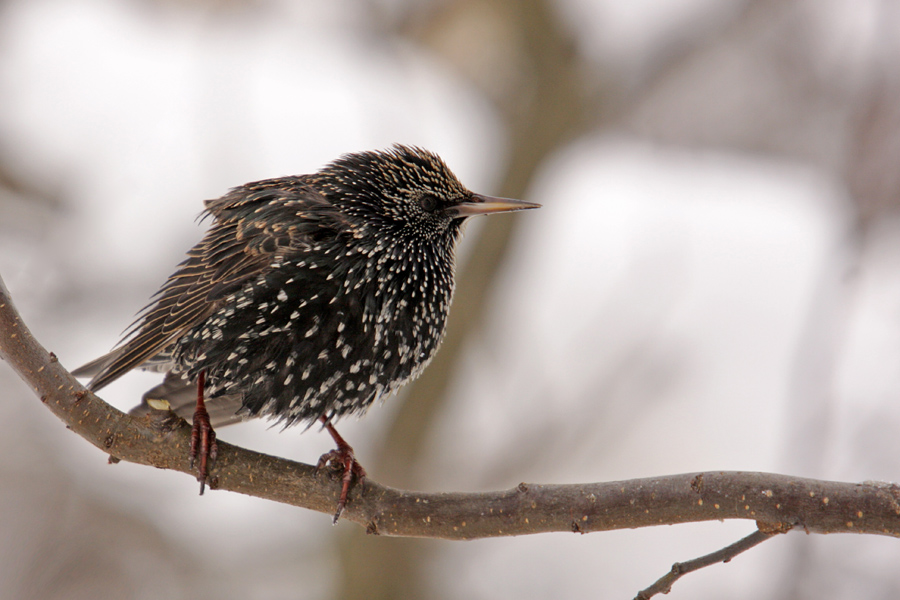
point(485, 205)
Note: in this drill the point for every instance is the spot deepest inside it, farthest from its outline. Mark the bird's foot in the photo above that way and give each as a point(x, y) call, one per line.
point(342, 461)
point(204, 447)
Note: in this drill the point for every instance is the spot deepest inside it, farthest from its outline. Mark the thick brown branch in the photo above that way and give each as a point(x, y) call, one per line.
point(776, 500)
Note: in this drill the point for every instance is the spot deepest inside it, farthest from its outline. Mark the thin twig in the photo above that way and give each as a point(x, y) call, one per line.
point(663, 585)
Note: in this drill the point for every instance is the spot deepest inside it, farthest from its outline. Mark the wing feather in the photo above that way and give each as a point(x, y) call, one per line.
point(250, 227)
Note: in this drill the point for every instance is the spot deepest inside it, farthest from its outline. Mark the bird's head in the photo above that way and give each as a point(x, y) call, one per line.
point(406, 190)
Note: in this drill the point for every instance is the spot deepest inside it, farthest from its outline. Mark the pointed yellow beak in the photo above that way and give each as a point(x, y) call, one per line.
point(485, 205)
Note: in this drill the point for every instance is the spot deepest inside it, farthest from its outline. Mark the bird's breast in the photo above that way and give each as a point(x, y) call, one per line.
point(309, 338)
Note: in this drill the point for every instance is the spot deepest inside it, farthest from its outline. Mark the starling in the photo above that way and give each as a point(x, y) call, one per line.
point(309, 298)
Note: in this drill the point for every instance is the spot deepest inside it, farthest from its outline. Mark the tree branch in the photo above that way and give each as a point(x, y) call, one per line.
point(663, 585)
point(779, 501)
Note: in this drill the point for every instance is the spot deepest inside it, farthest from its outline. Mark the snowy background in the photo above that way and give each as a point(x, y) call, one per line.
point(713, 282)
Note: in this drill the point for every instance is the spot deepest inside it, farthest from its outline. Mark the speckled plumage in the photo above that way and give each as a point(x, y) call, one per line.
point(311, 296)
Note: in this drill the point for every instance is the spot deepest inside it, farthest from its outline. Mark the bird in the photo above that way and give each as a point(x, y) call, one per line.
point(309, 298)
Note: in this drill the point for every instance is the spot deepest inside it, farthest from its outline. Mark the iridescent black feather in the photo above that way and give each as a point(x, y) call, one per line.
point(311, 296)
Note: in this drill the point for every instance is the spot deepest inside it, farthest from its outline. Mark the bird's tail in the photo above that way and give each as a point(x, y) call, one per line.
point(98, 369)
point(179, 395)
point(94, 367)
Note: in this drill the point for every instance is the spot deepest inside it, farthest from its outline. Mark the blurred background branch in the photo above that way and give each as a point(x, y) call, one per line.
point(532, 78)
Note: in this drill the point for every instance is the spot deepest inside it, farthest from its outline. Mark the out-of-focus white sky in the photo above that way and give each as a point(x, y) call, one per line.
point(677, 305)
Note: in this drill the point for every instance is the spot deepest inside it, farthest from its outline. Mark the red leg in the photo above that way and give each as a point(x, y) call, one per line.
point(341, 457)
point(203, 438)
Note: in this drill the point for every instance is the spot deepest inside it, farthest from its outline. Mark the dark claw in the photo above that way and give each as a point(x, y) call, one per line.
point(203, 447)
point(341, 459)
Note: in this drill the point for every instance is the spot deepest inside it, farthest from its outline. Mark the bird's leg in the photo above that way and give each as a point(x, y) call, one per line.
point(203, 437)
point(341, 457)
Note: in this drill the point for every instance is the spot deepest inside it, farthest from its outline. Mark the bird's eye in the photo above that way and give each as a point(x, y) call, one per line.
point(428, 203)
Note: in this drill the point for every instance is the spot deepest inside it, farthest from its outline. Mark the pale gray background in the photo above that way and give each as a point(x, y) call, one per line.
point(713, 282)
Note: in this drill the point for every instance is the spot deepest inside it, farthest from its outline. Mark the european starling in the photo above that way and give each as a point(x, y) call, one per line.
point(309, 298)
